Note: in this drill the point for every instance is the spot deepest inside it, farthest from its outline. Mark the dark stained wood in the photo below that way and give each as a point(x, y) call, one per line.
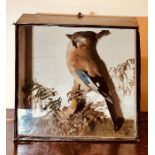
point(69, 20)
point(77, 148)
point(20, 57)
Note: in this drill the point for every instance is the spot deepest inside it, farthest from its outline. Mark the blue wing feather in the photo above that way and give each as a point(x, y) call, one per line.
point(93, 82)
point(83, 76)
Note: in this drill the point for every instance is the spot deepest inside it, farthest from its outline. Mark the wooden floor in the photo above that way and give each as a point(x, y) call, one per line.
point(76, 148)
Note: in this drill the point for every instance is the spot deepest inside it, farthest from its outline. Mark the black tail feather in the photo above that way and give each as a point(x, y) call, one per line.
point(113, 114)
point(104, 91)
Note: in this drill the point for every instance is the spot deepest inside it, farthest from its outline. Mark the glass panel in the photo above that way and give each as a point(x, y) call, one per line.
point(82, 85)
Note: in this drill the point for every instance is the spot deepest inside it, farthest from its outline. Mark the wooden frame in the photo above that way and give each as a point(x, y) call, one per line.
point(23, 30)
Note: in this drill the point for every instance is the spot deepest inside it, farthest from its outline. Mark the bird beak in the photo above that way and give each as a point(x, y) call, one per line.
point(69, 36)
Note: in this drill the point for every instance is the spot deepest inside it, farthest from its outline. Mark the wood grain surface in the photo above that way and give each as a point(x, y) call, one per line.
point(57, 19)
point(143, 29)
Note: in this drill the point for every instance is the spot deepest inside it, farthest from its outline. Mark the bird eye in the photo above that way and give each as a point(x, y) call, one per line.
point(74, 43)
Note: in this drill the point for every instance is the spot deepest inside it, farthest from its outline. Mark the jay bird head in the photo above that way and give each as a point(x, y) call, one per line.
point(86, 38)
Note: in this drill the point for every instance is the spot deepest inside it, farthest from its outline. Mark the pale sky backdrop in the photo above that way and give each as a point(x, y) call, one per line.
point(49, 57)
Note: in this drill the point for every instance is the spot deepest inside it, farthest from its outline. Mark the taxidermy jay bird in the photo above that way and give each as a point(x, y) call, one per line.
point(84, 64)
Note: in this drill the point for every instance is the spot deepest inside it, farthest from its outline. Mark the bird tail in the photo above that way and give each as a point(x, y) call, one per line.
point(113, 114)
point(112, 111)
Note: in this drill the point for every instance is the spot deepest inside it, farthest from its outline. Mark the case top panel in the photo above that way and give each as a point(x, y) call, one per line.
point(75, 20)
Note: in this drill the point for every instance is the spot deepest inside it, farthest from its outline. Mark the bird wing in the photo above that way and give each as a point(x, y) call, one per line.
point(99, 85)
point(96, 83)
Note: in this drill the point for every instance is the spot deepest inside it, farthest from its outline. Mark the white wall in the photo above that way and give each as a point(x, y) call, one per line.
point(100, 7)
